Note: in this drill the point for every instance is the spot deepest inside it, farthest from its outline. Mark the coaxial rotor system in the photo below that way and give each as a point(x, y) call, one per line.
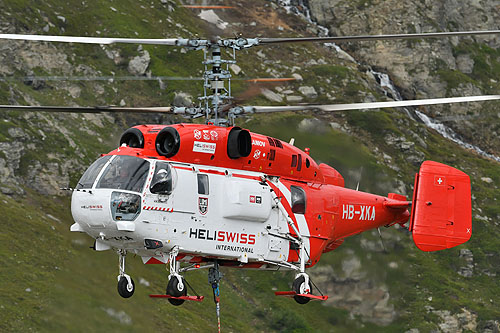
point(216, 104)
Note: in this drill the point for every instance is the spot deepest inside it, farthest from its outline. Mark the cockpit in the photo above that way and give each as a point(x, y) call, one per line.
point(122, 172)
point(121, 179)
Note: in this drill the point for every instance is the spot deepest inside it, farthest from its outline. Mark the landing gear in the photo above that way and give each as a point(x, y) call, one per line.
point(126, 289)
point(300, 286)
point(126, 285)
point(176, 286)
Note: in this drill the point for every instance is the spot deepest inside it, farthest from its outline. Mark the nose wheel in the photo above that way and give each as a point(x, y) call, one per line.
point(126, 285)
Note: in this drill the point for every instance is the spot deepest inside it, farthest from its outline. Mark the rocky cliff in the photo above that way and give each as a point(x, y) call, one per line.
point(56, 280)
point(433, 67)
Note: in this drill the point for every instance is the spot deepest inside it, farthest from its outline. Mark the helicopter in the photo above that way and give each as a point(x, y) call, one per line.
point(194, 196)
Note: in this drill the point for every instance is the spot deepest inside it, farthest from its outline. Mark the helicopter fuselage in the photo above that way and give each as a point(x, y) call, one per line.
point(132, 200)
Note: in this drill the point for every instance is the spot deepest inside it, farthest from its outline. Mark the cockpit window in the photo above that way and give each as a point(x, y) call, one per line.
point(92, 172)
point(162, 182)
point(125, 173)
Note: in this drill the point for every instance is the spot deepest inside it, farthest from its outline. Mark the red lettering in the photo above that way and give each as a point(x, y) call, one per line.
point(243, 238)
point(251, 239)
point(220, 236)
point(231, 236)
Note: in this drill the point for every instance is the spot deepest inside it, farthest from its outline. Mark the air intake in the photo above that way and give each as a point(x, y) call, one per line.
point(133, 138)
point(239, 143)
point(168, 142)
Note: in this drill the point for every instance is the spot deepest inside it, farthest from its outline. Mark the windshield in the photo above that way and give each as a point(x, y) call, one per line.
point(92, 172)
point(125, 173)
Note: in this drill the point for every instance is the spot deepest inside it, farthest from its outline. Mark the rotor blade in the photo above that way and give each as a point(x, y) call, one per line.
point(375, 105)
point(375, 37)
point(90, 40)
point(88, 109)
point(207, 7)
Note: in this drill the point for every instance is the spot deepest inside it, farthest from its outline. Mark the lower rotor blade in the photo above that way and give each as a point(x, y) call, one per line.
point(338, 39)
point(87, 109)
point(376, 105)
point(90, 40)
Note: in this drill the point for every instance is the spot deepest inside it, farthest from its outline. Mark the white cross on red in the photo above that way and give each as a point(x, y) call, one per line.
point(468, 230)
point(439, 180)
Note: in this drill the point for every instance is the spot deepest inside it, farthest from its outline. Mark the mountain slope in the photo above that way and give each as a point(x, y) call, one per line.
point(51, 279)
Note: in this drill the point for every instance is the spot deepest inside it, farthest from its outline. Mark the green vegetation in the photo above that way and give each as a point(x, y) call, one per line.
point(50, 277)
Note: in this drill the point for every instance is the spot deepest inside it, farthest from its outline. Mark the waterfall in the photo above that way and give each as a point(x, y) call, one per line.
point(383, 79)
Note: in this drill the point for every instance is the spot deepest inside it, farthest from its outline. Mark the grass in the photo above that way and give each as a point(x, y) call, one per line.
point(67, 281)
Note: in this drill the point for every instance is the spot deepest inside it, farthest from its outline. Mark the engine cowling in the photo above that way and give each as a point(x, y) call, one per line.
point(168, 142)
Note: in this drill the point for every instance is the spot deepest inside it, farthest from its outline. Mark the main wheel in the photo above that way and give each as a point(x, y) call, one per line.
point(299, 286)
point(175, 289)
point(124, 289)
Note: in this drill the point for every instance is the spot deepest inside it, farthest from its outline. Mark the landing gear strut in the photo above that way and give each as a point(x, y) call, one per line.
point(176, 286)
point(126, 285)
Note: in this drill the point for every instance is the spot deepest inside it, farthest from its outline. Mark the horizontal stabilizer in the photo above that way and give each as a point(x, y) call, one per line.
point(441, 208)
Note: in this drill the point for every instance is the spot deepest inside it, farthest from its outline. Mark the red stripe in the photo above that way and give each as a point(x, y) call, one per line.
point(285, 204)
point(246, 176)
point(215, 172)
point(183, 168)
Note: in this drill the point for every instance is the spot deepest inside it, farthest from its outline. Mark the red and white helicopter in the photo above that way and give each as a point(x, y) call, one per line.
point(203, 196)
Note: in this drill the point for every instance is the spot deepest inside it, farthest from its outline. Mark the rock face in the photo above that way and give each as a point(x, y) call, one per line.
point(139, 64)
point(352, 290)
point(468, 269)
point(426, 68)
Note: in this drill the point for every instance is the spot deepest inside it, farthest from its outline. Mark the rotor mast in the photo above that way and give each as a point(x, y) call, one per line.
point(216, 93)
point(214, 82)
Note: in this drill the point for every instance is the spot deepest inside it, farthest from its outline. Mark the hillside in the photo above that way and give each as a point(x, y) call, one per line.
point(52, 281)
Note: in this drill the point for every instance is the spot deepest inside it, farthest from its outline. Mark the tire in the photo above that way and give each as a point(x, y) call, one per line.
point(173, 290)
point(123, 288)
point(298, 284)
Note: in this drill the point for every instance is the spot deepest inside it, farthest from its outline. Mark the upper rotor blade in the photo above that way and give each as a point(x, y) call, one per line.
point(375, 105)
point(90, 40)
point(88, 109)
point(375, 37)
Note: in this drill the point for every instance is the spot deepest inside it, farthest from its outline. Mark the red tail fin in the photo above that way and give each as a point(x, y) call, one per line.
point(441, 215)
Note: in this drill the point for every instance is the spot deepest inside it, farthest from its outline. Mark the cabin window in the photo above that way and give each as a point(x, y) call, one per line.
point(163, 182)
point(203, 184)
point(299, 163)
point(298, 200)
point(294, 161)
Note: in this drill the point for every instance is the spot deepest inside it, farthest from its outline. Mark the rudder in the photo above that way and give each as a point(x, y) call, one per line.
point(441, 215)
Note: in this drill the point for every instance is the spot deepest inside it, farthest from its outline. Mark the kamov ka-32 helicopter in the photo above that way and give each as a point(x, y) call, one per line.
point(203, 196)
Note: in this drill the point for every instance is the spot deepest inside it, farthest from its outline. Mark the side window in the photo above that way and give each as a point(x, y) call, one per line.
point(298, 200)
point(202, 184)
point(162, 182)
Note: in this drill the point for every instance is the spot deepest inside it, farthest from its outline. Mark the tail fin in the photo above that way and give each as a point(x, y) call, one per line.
point(441, 215)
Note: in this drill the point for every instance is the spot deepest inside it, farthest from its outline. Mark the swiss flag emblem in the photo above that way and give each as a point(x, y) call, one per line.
point(439, 180)
point(252, 199)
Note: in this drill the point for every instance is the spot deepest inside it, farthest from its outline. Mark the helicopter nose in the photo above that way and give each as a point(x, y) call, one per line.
point(90, 209)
